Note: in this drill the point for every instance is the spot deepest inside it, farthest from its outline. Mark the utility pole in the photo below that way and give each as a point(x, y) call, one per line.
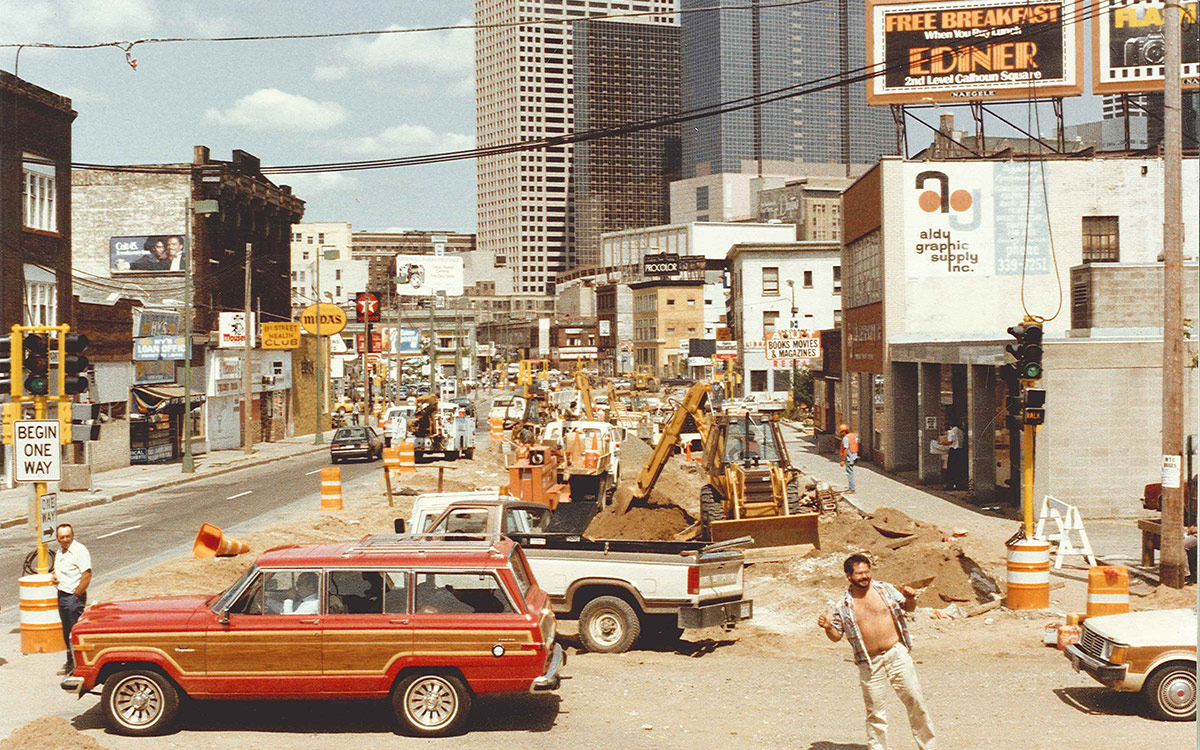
point(188, 462)
point(317, 369)
point(1173, 564)
point(247, 353)
point(458, 347)
point(432, 347)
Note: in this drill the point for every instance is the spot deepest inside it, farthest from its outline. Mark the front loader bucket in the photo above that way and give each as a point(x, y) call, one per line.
point(770, 531)
point(210, 542)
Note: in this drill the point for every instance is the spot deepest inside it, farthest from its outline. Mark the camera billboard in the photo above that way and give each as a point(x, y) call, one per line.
point(426, 275)
point(154, 253)
point(973, 50)
point(1129, 48)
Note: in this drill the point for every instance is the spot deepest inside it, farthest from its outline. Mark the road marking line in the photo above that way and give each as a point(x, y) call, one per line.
point(240, 494)
point(314, 471)
point(119, 531)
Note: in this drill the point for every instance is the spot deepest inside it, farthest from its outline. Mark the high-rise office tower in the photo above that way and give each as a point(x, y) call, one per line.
point(624, 72)
point(524, 77)
point(735, 54)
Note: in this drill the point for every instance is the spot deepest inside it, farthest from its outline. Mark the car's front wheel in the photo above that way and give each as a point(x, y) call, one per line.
point(139, 703)
point(431, 704)
point(1170, 692)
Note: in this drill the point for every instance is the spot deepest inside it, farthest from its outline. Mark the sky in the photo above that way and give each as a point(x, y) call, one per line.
point(286, 102)
point(291, 101)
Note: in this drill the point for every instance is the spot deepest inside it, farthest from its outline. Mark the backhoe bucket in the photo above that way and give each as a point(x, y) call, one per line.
point(210, 542)
point(771, 531)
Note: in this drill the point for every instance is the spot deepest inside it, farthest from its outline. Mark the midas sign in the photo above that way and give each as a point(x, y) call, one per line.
point(330, 318)
point(281, 335)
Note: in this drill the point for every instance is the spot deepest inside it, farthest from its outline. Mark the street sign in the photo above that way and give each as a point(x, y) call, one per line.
point(367, 305)
point(332, 319)
point(38, 450)
point(281, 335)
point(48, 516)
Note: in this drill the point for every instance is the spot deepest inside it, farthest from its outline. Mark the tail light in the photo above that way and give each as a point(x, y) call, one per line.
point(693, 579)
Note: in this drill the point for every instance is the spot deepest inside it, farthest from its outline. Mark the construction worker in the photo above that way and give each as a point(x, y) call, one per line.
point(848, 452)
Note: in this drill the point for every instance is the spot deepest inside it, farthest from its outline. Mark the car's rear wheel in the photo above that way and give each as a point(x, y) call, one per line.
point(1170, 692)
point(139, 703)
point(431, 704)
point(608, 625)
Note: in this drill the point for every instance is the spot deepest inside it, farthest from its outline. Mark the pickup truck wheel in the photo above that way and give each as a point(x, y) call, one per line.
point(608, 625)
point(711, 511)
point(431, 704)
point(1170, 692)
point(139, 703)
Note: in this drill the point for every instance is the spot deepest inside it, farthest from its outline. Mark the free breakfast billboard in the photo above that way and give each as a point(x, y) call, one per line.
point(426, 275)
point(155, 253)
point(1128, 46)
point(973, 50)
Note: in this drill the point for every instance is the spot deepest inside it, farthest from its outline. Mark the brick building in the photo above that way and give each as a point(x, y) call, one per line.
point(666, 311)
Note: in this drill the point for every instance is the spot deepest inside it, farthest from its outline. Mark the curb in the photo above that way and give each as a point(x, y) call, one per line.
point(221, 469)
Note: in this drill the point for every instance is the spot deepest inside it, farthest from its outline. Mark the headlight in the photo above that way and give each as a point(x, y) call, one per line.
point(1114, 654)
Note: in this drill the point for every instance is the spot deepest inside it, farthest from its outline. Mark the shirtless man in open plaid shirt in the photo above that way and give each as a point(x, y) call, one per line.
point(870, 617)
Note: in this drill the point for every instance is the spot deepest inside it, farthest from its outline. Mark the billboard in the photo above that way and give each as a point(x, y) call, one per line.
point(156, 253)
point(426, 275)
point(791, 346)
point(281, 335)
point(973, 50)
point(232, 330)
point(660, 264)
point(1128, 46)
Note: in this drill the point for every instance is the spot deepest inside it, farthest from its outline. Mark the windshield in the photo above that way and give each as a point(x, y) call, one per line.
point(226, 597)
point(351, 433)
point(761, 442)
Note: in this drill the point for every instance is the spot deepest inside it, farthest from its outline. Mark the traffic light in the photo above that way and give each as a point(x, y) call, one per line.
point(1027, 350)
point(37, 363)
point(78, 422)
point(10, 356)
point(74, 363)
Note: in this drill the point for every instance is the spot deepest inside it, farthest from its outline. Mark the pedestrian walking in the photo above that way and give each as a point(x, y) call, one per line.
point(870, 616)
point(956, 461)
point(848, 452)
point(72, 575)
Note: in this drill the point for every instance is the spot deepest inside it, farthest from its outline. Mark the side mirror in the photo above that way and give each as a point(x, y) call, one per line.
point(399, 525)
point(224, 618)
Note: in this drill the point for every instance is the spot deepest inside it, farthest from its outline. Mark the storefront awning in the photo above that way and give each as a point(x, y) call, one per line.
point(161, 398)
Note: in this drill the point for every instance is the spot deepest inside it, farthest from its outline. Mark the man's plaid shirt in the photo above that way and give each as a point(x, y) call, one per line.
point(844, 622)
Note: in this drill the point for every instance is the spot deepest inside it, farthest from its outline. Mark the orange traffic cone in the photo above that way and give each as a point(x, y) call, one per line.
point(210, 542)
point(591, 457)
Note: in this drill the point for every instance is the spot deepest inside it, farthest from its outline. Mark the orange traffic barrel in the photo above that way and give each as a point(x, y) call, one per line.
point(1108, 590)
point(210, 542)
point(591, 456)
point(497, 428)
point(331, 488)
point(1029, 574)
point(408, 457)
point(41, 629)
point(391, 457)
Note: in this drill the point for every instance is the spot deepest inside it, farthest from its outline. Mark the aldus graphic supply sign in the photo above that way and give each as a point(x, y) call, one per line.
point(1129, 46)
point(973, 50)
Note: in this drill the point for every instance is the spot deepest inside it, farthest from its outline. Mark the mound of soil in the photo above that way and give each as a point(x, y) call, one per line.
point(49, 733)
point(656, 522)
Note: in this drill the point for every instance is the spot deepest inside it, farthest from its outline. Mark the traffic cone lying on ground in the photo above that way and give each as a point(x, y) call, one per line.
point(210, 542)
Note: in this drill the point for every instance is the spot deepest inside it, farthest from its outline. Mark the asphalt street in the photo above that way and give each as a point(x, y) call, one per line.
point(126, 536)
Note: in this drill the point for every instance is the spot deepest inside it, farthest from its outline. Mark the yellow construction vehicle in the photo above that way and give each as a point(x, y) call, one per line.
point(692, 406)
point(751, 487)
point(643, 378)
point(584, 386)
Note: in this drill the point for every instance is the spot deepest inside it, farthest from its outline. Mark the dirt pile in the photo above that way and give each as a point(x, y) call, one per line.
point(905, 551)
point(657, 522)
point(49, 733)
point(678, 484)
point(673, 505)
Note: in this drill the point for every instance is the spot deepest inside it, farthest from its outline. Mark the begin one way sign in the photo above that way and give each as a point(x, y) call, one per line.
point(38, 451)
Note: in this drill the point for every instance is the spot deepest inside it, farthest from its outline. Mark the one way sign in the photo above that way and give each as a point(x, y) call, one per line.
point(38, 450)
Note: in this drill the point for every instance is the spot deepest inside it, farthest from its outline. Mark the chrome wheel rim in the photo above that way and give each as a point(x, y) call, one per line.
point(137, 702)
point(606, 628)
point(1177, 693)
point(431, 703)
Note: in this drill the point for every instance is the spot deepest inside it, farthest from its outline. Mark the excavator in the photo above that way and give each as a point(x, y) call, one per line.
point(751, 487)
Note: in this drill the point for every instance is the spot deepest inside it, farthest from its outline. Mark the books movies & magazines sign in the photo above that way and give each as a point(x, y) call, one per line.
point(1129, 46)
point(973, 50)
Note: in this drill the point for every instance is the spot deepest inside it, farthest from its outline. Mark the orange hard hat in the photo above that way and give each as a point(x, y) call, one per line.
point(843, 428)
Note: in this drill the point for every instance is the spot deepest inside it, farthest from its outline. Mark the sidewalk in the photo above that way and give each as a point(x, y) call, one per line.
point(118, 484)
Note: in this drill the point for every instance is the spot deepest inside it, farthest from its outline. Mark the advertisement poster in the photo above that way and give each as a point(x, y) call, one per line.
point(973, 50)
point(426, 275)
point(281, 335)
point(1129, 48)
point(157, 253)
point(975, 219)
point(233, 331)
point(153, 348)
point(792, 346)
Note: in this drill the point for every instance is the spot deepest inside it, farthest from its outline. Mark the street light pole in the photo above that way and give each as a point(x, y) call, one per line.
point(318, 438)
point(795, 324)
point(192, 207)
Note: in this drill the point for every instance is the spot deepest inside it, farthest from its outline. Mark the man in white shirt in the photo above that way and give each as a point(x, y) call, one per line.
point(72, 575)
point(956, 461)
point(307, 587)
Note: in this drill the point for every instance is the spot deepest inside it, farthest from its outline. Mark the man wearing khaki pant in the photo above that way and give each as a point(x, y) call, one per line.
point(870, 616)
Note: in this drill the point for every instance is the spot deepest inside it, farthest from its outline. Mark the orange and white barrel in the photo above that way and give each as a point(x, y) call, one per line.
point(1029, 574)
point(331, 488)
point(497, 428)
point(1108, 590)
point(41, 628)
point(408, 458)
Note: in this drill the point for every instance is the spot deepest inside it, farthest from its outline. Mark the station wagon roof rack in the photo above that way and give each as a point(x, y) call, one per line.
point(425, 544)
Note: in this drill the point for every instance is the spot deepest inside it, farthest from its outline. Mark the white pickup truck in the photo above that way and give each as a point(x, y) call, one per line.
point(618, 589)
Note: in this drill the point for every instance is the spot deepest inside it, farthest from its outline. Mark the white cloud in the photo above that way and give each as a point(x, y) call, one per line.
point(330, 72)
point(305, 185)
point(102, 17)
point(400, 140)
point(450, 53)
point(27, 22)
point(272, 109)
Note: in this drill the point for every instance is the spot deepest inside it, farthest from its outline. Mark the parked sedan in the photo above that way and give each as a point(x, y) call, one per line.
point(356, 442)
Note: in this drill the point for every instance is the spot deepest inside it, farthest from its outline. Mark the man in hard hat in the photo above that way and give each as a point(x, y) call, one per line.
point(848, 452)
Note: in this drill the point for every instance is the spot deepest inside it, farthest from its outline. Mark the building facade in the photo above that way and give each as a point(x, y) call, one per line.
point(666, 311)
point(614, 320)
point(813, 205)
point(341, 277)
point(624, 72)
point(623, 251)
point(524, 90)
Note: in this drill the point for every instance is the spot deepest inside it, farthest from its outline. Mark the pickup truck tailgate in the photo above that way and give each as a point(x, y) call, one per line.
point(720, 576)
